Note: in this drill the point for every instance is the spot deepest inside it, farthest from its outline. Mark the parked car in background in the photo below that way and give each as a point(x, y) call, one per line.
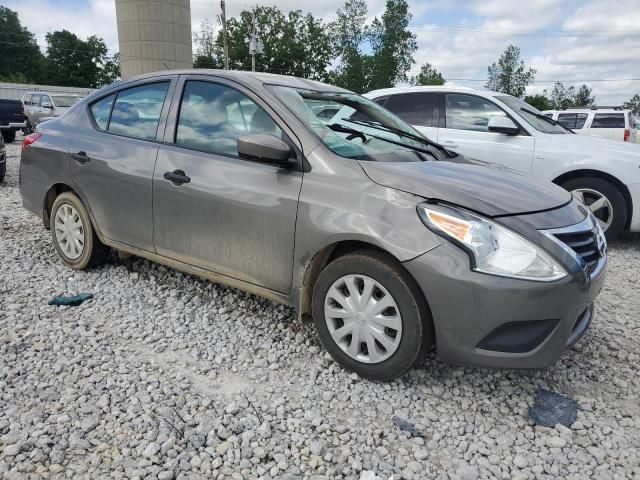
point(43, 105)
point(3, 159)
point(12, 119)
point(390, 242)
point(498, 128)
point(611, 123)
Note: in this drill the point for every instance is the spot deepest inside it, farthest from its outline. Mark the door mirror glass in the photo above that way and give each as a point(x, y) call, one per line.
point(503, 125)
point(264, 147)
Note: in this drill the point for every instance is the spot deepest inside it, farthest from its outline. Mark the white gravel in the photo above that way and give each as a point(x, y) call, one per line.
point(163, 375)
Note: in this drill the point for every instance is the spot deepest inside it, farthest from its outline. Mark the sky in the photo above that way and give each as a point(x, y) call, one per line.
point(596, 42)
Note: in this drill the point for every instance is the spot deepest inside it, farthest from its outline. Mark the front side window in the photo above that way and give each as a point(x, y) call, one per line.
point(136, 112)
point(468, 112)
point(35, 100)
point(608, 120)
point(420, 109)
point(101, 111)
point(213, 116)
point(26, 99)
point(361, 129)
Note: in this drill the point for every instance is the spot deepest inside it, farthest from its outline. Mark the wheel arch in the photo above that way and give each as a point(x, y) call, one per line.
point(604, 176)
point(52, 193)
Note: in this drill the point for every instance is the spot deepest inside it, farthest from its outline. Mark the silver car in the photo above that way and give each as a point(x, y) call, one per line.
point(41, 106)
point(391, 243)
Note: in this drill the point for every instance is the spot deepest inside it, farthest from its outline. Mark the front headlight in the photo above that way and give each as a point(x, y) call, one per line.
point(493, 249)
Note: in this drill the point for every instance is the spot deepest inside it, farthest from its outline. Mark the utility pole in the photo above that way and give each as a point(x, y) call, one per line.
point(224, 35)
point(255, 45)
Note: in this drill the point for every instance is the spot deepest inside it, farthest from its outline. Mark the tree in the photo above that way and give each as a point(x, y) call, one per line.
point(510, 75)
point(20, 56)
point(633, 104)
point(208, 53)
point(349, 33)
point(428, 76)
point(74, 62)
point(393, 46)
point(562, 97)
point(584, 97)
point(541, 102)
point(110, 71)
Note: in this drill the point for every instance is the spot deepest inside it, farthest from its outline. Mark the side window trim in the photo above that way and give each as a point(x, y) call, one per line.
point(523, 131)
point(171, 126)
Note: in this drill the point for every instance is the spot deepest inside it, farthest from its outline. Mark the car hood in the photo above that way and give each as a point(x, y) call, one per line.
point(492, 191)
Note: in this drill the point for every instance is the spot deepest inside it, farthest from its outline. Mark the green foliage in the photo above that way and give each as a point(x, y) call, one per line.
point(19, 51)
point(510, 75)
point(428, 76)
point(390, 42)
point(584, 97)
point(633, 104)
point(541, 102)
point(110, 71)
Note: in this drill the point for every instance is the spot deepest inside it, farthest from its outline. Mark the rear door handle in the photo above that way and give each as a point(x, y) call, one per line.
point(177, 177)
point(450, 144)
point(81, 157)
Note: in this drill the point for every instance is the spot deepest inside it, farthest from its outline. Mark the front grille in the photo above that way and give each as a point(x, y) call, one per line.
point(584, 244)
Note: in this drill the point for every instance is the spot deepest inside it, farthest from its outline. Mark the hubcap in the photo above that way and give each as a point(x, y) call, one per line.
point(69, 231)
point(363, 318)
point(599, 205)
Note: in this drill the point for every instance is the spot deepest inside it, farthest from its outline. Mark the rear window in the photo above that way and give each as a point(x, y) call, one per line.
point(572, 120)
point(608, 120)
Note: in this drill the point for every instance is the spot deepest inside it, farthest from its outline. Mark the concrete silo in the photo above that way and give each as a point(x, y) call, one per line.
point(153, 35)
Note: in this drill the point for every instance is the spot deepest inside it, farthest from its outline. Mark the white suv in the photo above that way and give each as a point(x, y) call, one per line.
point(498, 128)
point(613, 123)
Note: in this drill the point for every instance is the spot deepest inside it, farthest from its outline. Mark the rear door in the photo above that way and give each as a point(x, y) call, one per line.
point(232, 216)
point(608, 125)
point(419, 109)
point(34, 111)
point(466, 131)
point(113, 159)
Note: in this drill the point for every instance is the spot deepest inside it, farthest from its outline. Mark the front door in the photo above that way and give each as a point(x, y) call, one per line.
point(113, 158)
point(231, 216)
point(466, 132)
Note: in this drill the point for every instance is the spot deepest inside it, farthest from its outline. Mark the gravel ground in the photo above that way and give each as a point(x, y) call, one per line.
point(163, 375)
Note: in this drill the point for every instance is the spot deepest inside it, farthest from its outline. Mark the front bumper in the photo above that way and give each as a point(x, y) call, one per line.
point(492, 321)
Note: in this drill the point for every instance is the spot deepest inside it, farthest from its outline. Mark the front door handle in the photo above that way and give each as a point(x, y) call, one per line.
point(81, 157)
point(450, 144)
point(177, 177)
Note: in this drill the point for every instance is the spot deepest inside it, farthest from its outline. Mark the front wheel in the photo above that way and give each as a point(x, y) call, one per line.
point(370, 315)
point(604, 200)
point(73, 236)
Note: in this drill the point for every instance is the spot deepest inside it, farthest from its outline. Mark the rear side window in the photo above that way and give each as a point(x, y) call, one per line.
point(35, 100)
point(608, 120)
point(26, 99)
point(136, 112)
point(572, 120)
point(416, 108)
point(101, 111)
point(213, 116)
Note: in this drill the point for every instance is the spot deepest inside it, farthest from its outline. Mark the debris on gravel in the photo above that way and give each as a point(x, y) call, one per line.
point(164, 375)
point(550, 408)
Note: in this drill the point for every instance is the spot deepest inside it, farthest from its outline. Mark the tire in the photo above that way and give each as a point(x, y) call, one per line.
point(92, 252)
point(28, 130)
point(594, 186)
point(3, 170)
point(9, 135)
point(415, 334)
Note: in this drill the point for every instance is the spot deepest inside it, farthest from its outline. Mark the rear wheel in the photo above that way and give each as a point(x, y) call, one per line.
point(370, 315)
point(73, 235)
point(3, 170)
point(9, 135)
point(605, 201)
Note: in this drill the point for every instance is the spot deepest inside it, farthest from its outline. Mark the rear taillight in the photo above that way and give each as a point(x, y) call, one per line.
point(627, 134)
point(31, 138)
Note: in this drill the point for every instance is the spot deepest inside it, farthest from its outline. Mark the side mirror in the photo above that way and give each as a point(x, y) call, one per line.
point(265, 148)
point(504, 125)
point(46, 104)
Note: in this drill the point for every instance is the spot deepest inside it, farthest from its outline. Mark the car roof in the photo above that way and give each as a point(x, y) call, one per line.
point(431, 88)
point(589, 110)
point(252, 78)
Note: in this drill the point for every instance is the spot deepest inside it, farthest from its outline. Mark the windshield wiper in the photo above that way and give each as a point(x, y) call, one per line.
point(336, 127)
point(402, 133)
point(550, 120)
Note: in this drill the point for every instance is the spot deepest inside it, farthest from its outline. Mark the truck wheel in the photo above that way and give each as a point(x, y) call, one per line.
point(9, 135)
point(605, 201)
point(370, 315)
point(3, 170)
point(73, 236)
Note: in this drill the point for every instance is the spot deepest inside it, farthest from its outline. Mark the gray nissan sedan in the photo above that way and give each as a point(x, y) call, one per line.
point(391, 243)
